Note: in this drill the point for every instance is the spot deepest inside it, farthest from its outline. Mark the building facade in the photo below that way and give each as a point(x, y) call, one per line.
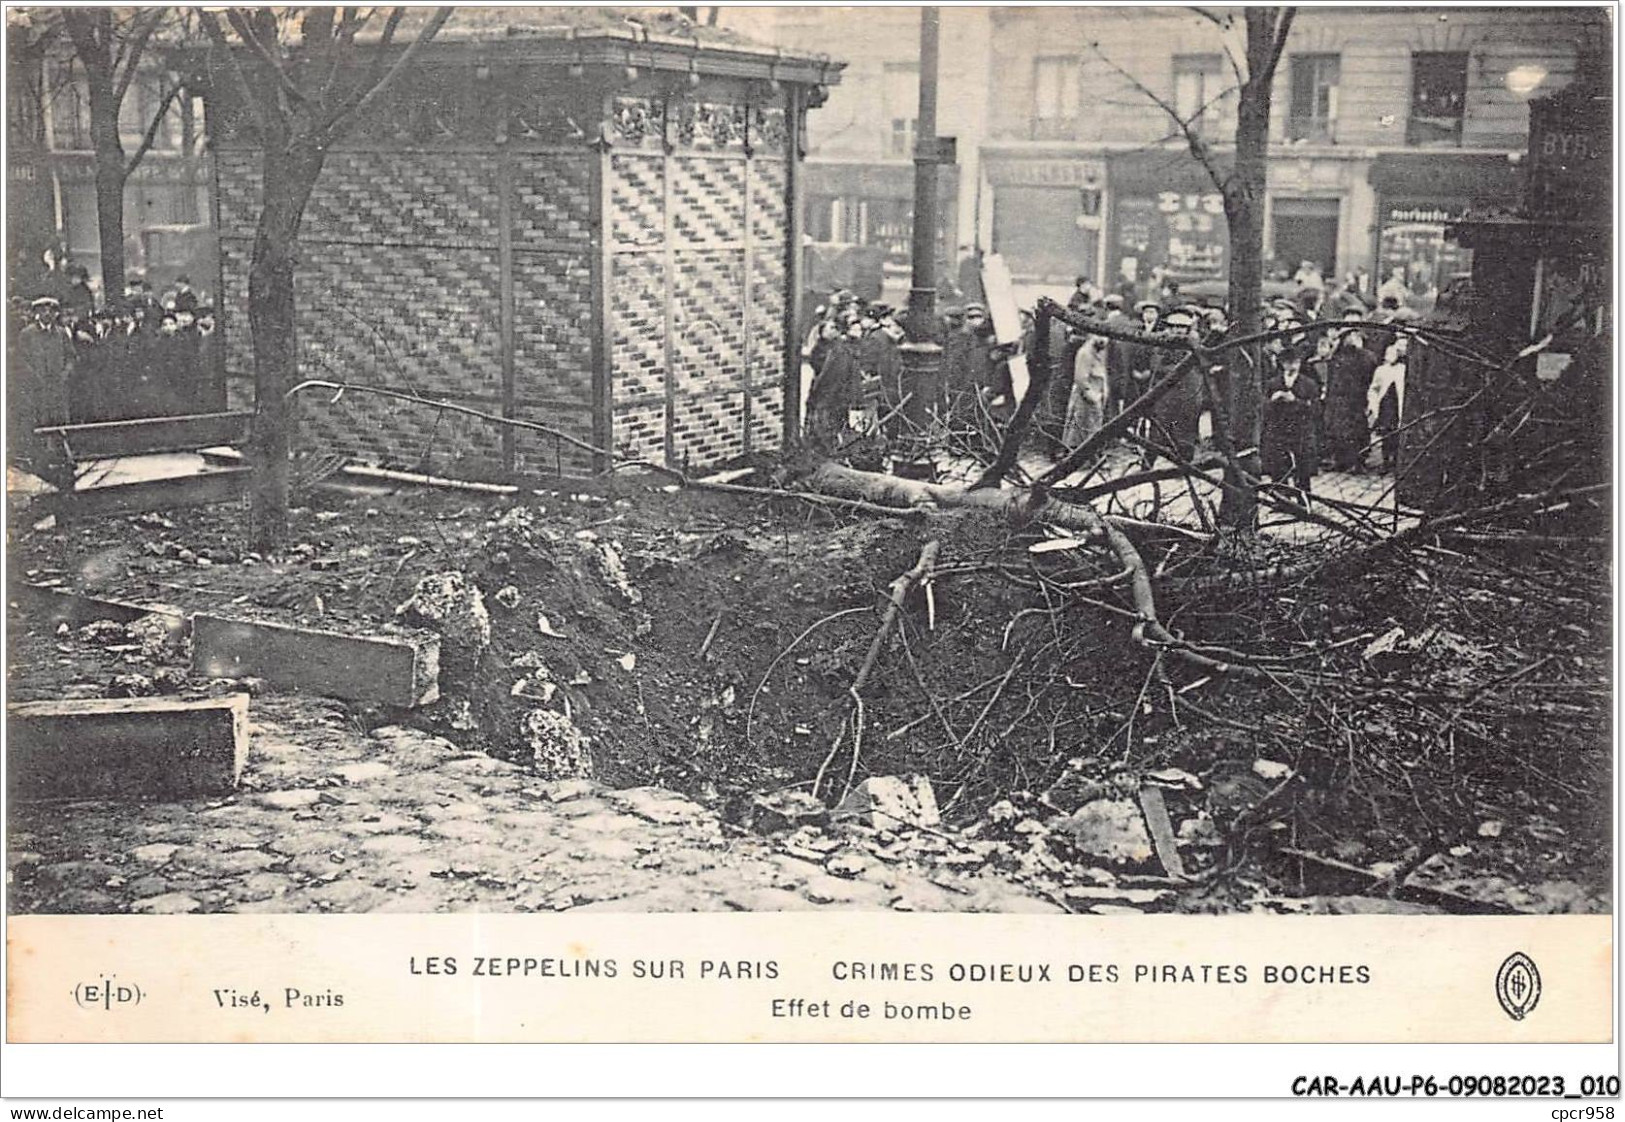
point(51, 173)
point(860, 145)
point(1387, 124)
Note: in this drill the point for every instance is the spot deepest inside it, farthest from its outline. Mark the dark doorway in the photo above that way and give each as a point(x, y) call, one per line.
point(1306, 230)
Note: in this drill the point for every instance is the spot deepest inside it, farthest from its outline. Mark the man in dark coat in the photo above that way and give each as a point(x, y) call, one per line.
point(1289, 448)
point(1177, 414)
point(836, 392)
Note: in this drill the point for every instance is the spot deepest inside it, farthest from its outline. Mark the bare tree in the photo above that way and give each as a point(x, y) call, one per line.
point(1252, 46)
point(113, 47)
point(302, 79)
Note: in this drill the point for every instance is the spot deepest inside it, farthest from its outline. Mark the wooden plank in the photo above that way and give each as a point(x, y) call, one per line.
point(1000, 293)
point(603, 296)
point(218, 486)
point(505, 208)
point(793, 279)
point(1162, 831)
point(61, 605)
point(126, 748)
point(400, 670)
point(104, 440)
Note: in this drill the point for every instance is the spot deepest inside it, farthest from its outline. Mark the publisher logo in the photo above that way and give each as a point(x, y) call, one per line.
point(1517, 985)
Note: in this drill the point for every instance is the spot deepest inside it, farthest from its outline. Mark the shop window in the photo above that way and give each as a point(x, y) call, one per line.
point(901, 102)
point(1055, 97)
point(1312, 112)
point(1204, 97)
point(1438, 98)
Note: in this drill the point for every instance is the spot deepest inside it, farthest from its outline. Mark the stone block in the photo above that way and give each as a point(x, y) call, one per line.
point(401, 670)
point(123, 748)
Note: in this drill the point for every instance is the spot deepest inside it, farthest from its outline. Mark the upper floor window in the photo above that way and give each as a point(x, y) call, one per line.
point(1055, 96)
point(1203, 93)
point(1312, 111)
point(1438, 97)
point(901, 101)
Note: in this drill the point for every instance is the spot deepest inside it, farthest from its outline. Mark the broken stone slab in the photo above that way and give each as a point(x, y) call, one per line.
point(887, 802)
point(1111, 830)
point(787, 810)
point(559, 750)
point(453, 606)
point(123, 748)
point(398, 669)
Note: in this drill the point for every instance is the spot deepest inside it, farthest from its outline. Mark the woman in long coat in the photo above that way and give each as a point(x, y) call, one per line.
point(1086, 408)
point(1348, 377)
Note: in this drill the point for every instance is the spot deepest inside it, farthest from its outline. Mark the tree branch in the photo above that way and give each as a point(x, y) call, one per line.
point(132, 49)
point(243, 26)
point(1193, 139)
point(430, 30)
point(153, 126)
point(217, 36)
point(1283, 30)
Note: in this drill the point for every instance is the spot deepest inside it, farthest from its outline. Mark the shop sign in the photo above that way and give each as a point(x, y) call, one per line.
point(1046, 173)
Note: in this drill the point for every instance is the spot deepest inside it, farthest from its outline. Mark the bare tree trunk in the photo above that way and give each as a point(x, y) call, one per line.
point(1244, 214)
point(110, 175)
point(289, 176)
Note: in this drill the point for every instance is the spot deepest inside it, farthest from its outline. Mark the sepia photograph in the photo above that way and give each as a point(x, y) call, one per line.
point(1083, 462)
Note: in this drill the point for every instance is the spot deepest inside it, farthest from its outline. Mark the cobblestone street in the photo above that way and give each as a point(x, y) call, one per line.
point(400, 821)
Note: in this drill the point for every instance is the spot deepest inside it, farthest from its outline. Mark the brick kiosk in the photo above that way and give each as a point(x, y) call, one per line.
point(595, 230)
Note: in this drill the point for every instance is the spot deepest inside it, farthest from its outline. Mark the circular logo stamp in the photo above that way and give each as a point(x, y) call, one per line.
point(1517, 985)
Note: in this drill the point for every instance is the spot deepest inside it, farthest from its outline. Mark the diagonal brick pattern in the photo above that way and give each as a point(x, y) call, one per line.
point(552, 317)
point(552, 199)
point(637, 204)
point(707, 201)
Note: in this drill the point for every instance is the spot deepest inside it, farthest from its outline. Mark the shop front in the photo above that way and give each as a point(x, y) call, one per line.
point(1164, 211)
point(1418, 196)
point(872, 204)
point(1047, 215)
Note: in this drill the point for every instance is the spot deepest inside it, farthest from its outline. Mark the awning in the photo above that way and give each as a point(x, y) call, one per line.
point(874, 180)
point(1477, 178)
point(1154, 170)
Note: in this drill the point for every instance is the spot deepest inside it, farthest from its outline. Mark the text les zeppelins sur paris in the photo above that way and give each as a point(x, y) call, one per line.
point(853, 989)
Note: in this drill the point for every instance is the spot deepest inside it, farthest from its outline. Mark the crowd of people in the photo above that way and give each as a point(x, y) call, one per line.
point(859, 401)
point(77, 359)
point(1332, 396)
point(1327, 392)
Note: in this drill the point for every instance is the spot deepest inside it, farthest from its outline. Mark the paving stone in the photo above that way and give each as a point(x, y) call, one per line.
point(581, 808)
point(296, 799)
point(172, 903)
point(84, 902)
point(300, 842)
point(379, 823)
point(767, 900)
point(74, 874)
point(363, 772)
point(604, 824)
point(319, 867)
point(263, 886)
point(465, 830)
point(209, 863)
point(657, 805)
point(563, 790)
point(393, 844)
point(154, 854)
point(612, 849)
point(822, 888)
